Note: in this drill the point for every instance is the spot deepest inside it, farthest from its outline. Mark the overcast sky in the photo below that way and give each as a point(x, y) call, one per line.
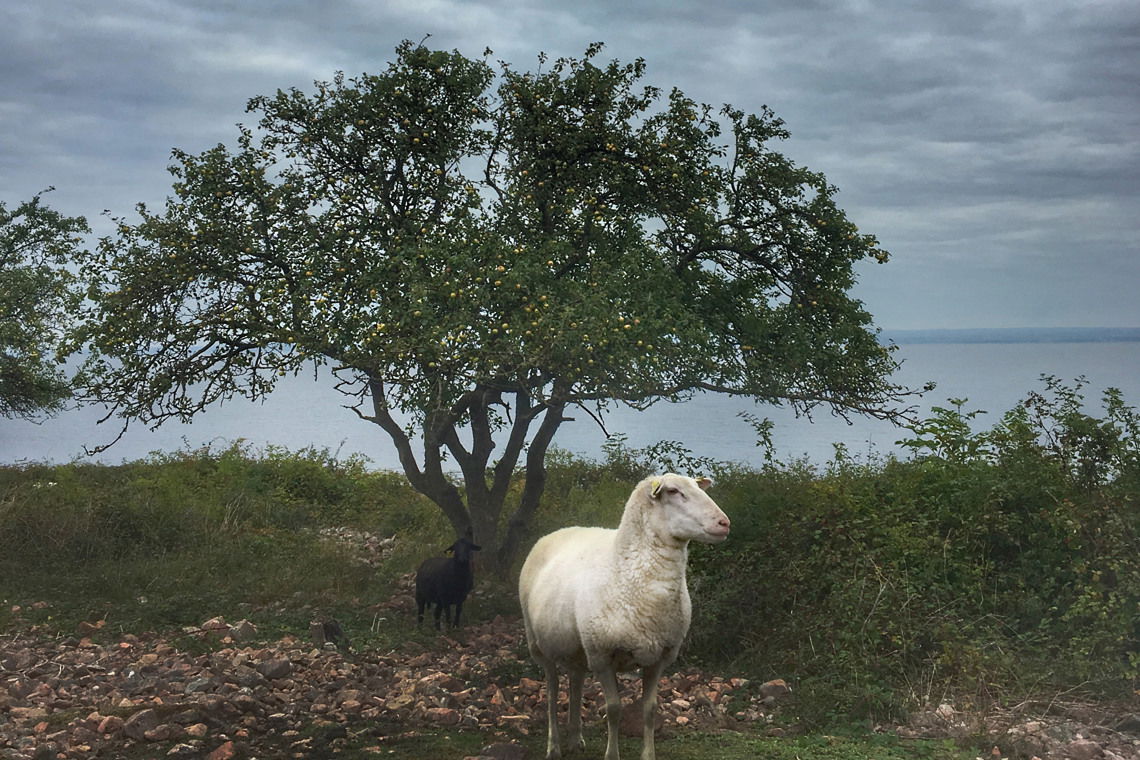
point(992, 146)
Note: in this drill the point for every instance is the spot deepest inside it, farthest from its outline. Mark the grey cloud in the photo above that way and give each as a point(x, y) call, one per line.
point(982, 141)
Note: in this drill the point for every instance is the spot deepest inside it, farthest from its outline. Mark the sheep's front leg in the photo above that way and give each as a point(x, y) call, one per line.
point(650, 677)
point(608, 678)
point(552, 750)
point(574, 711)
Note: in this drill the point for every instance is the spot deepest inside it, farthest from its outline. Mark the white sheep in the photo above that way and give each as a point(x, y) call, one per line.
point(613, 600)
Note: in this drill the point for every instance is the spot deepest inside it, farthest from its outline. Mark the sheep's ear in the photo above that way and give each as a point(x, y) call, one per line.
point(655, 488)
point(704, 483)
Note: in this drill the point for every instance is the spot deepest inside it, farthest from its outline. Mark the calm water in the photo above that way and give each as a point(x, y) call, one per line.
point(302, 412)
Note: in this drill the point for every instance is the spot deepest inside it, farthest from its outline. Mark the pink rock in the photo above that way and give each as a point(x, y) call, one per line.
point(445, 716)
point(138, 724)
point(224, 752)
point(112, 724)
point(775, 688)
point(1083, 749)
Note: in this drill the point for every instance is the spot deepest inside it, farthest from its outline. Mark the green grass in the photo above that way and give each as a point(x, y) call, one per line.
point(395, 742)
point(988, 570)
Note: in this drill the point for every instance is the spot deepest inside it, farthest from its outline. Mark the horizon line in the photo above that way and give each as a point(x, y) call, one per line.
point(1011, 334)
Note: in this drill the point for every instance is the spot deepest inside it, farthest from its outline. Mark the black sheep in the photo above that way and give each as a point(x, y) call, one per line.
point(445, 582)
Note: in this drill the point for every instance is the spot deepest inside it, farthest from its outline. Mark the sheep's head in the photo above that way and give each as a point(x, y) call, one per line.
point(680, 508)
point(463, 550)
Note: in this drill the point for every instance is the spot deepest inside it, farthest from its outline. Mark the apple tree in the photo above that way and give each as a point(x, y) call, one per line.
point(483, 250)
point(39, 296)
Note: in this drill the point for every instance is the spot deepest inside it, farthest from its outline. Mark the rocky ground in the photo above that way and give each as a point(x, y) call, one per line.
point(91, 695)
point(88, 696)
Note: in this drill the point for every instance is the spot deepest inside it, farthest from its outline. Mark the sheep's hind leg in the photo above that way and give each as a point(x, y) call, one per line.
point(553, 752)
point(574, 740)
point(608, 677)
point(650, 678)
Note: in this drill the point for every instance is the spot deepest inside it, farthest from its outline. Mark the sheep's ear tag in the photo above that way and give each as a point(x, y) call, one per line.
point(704, 483)
point(656, 488)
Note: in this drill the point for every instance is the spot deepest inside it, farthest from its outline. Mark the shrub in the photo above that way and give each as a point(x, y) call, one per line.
point(986, 562)
point(987, 566)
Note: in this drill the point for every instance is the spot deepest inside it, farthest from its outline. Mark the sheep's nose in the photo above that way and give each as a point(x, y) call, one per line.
point(721, 527)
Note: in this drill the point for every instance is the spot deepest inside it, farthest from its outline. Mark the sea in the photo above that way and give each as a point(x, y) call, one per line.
point(989, 371)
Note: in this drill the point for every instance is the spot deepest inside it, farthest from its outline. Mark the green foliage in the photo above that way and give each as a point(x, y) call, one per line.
point(81, 512)
point(481, 250)
point(989, 565)
point(730, 746)
point(180, 537)
point(38, 298)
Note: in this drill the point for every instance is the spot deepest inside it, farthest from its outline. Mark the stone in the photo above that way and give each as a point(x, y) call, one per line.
point(1129, 724)
point(112, 724)
point(163, 732)
point(28, 714)
point(775, 689)
point(200, 684)
point(504, 751)
point(138, 724)
point(275, 668)
point(444, 716)
point(632, 724)
point(224, 752)
point(85, 629)
point(187, 717)
point(1082, 749)
point(243, 630)
point(215, 628)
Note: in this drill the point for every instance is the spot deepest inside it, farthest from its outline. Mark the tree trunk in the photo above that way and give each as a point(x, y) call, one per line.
point(477, 511)
point(533, 488)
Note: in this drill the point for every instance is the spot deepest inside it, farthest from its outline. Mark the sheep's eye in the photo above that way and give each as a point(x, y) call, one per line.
point(672, 491)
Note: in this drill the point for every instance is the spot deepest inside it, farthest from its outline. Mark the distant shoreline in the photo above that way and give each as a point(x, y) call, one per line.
point(1014, 335)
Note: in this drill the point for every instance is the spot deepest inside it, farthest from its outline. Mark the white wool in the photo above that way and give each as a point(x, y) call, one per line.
point(608, 600)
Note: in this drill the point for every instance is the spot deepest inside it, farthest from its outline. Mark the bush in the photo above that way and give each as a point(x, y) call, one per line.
point(179, 537)
point(986, 565)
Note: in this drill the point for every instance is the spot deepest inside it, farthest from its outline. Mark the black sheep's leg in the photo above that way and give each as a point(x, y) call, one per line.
point(438, 612)
point(458, 609)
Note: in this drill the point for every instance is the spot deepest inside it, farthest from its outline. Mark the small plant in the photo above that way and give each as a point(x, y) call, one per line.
point(947, 434)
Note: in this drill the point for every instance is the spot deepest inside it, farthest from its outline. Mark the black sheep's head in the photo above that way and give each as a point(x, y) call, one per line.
point(463, 550)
